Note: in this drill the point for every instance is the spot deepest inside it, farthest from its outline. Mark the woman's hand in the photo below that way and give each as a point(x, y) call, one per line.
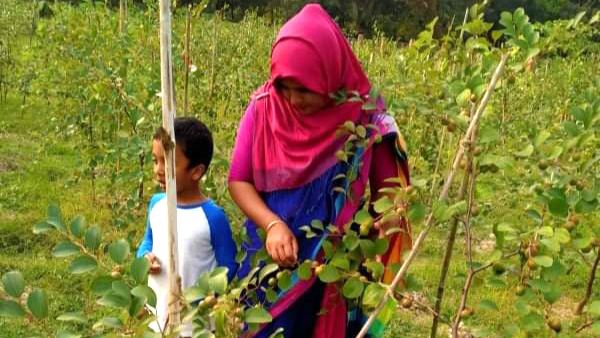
point(282, 245)
point(154, 263)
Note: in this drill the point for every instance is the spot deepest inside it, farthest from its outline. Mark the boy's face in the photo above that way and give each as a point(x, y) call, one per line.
point(187, 178)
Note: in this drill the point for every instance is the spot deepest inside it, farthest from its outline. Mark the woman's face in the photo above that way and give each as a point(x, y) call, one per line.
point(307, 101)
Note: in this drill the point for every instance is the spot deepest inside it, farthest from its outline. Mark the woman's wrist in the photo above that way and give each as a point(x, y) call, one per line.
point(272, 224)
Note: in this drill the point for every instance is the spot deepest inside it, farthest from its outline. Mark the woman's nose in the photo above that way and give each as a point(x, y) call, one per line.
point(296, 99)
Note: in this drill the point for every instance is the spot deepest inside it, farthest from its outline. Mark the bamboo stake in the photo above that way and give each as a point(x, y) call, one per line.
point(168, 141)
point(187, 59)
point(122, 16)
point(443, 196)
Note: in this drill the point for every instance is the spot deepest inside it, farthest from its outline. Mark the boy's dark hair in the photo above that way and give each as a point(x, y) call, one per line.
point(194, 138)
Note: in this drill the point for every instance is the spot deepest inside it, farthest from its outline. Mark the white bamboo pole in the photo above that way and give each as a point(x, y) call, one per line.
point(168, 141)
point(443, 196)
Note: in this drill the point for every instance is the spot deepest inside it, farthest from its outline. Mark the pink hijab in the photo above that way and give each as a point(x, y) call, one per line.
point(291, 149)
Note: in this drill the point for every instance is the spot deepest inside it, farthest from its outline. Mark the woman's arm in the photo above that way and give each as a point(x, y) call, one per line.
point(281, 244)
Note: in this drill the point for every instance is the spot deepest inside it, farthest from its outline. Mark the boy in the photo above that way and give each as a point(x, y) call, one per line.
point(204, 236)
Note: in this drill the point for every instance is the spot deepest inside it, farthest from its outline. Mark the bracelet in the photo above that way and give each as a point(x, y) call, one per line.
point(272, 224)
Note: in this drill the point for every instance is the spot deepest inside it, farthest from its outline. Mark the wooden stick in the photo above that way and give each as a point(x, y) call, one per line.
point(187, 59)
point(443, 196)
point(168, 141)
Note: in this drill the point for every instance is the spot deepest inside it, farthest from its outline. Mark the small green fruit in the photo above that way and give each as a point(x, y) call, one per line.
point(499, 268)
point(407, 302)
point(554, 324)
point(466, 313)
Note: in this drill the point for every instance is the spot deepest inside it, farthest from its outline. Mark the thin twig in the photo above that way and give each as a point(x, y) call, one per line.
point(588, 292)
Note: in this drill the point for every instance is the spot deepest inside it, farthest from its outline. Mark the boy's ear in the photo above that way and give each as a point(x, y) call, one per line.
point(198, 171)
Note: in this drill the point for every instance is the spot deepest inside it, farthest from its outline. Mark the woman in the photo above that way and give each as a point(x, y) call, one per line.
point(284, 167)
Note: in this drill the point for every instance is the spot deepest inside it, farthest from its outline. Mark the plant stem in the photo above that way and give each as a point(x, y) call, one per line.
point(588, 292)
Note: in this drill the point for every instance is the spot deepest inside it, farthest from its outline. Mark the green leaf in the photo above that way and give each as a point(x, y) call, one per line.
point(78, 226)
point(416, 212)
point(65, 249)
point(544, 261)
point(14, 284)
point(526, 152)
point(114, 299)
point(463, 99)
point(505, 227)
point(10, 308)
point(37, 302)
point(139, 269)
point(121, 288)
point(317, 224)
point(340, 260)
point(551, 243)
point(559, 207)
point(532, 321)
point(137, 304)
point(55, 219)
point(257, 315)
point(562, 235)
point(305, 271)
point(351, 241)
point(144, 291)
point(102, 284)
point(439, 210)
point(66, 334)
point(42, 227)
point(119, 250)
point(381, 246)
point(546, 231)
point(353, 288)
point(368, 249)
point(376, 269)
point(329, 274)
point(218, 280)
point(374, 293)
point(92, 238)
point(594, 308)
point(271, 295)
point(383, 204)
point(108, 322)
point(328, 249)
point(553, 294)
point(267, 270)
point(82, 264)
point(488, 305)
point(285, 280)
point(78, 317)
point(363, 217)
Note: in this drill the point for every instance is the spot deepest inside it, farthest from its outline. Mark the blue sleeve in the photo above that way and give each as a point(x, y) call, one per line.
point(221, 238)
point(146, 245)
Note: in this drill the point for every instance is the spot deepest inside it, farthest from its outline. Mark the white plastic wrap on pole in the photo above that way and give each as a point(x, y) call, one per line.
point(168, 141)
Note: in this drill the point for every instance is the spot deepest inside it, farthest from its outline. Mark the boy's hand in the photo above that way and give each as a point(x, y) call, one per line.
point(154, 264)
point(282, 245)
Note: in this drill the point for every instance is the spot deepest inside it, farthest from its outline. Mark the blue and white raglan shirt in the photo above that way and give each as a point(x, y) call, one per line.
point(204, 242)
